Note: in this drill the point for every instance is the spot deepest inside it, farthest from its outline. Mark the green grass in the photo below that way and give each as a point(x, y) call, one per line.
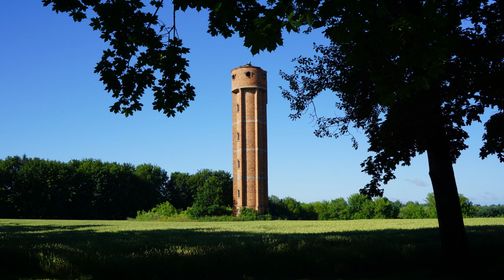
point(359, 249)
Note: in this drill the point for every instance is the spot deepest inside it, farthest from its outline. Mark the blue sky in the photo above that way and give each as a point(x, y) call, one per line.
point(53, 106)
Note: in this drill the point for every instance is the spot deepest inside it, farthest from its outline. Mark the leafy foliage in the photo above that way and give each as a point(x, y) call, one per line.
point(92, 189)
point(400, 70)
point(86, 189)
point(182, 188)
point(160, 211)
point(138, 57)
point(359, 206)
point(209, 200)
point(413, 210)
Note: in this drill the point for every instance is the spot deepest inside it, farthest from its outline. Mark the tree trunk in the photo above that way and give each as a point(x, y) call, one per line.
point(451, 223)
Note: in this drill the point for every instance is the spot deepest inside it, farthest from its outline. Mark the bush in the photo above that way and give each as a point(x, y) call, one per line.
point(162, 210)
point(248, 214)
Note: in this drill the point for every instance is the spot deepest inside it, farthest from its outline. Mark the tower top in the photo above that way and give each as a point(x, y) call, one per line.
point(248, 76)
point(248, 65)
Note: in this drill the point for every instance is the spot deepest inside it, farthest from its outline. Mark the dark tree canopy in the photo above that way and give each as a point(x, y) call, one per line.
point(143, 53)
point(400, 69)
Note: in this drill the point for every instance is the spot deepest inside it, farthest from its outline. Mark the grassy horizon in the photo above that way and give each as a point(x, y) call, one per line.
point(356, 249)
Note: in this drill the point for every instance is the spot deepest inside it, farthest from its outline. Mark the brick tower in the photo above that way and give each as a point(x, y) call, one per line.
point(250, 153)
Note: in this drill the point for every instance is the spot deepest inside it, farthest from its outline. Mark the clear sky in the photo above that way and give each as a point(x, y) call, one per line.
point(53, 106)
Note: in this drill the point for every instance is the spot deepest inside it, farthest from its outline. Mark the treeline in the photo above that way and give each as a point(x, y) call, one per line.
point(92, 189)
point(79, 189)
point(358, 206)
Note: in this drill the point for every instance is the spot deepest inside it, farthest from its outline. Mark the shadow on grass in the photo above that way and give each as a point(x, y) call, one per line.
point(30, 252)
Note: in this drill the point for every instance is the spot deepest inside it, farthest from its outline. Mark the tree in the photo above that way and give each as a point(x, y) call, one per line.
point(430, 206)
point(360, 206)
point(87, 189)
point(413, 210)
point(385, 209)
point(276, 208)
point(336, 209)
point(209, 200)
point(152, 181)
point(466, 206)
point(412, 75)
point(179, 192)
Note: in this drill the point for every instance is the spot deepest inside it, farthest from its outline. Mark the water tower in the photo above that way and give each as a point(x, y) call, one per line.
point(250, 150)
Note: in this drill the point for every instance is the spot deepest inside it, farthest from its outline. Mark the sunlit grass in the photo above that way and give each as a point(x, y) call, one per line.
point(275, 226)
point(237, 249)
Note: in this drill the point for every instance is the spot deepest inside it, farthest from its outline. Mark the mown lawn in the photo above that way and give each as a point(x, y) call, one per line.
point(360, 249)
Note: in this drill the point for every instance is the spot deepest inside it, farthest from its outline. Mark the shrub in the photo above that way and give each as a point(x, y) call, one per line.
point(248, 214)
point(162, 210)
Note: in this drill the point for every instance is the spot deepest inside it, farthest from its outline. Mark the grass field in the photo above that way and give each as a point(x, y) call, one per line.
point(360, 249)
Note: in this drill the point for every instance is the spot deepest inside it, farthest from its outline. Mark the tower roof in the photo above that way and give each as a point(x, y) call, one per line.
point(248, 65)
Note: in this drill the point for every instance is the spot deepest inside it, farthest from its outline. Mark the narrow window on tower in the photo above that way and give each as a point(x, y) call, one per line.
point(238, 163)
point(238, 193)
point(238, 136)
point(237, 107)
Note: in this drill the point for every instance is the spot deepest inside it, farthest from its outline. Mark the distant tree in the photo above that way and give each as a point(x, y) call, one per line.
point(8, 169)
point(430, 206)
point(321, 208)
point(290, 209)
point(293, 207)
point(225, 180)
point(385, 209)
point(276, 208)
point(489, 210)
point(360, 207)
point(308, 212)
point(179, 191)
point(209, 199)
point(182, 188)
point(468, 208)
point(413, 210)
point(87, 189)
point(153, 180)
point(336, 209)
